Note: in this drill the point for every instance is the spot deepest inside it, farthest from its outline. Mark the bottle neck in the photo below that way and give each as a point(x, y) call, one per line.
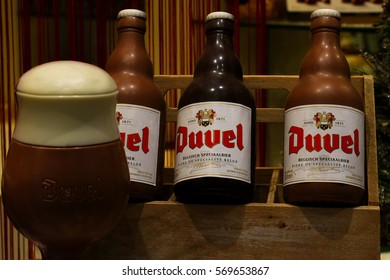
point(325, 56)
point(219, 57)
point(130, 51)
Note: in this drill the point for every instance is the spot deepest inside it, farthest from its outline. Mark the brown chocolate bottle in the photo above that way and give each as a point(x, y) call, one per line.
point(141, 107)
point(215, 140)
point(324, 125)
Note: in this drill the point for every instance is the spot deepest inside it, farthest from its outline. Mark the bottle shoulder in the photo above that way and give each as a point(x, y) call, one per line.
point(206, 88)
point(130, 61)
point(139, 90)
point(324, 90)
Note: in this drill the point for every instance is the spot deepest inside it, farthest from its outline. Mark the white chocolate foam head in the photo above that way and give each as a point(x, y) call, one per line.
point(66, 104)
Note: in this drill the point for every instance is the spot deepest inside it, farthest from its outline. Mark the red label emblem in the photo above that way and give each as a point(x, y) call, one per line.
point(324, 120)
point(119, 116)
point(205, 117)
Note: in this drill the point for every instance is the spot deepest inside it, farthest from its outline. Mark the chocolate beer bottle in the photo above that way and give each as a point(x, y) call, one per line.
point(324, 124)
point(215, 139)
point(141, 107)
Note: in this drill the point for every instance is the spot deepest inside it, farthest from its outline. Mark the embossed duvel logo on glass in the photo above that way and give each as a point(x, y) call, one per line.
point(53, 191)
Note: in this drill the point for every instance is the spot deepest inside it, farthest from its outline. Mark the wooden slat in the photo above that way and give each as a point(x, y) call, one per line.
point(166, 82)
point(169, 230)
point(270, 115)
point(273, 186)
point(371, 146)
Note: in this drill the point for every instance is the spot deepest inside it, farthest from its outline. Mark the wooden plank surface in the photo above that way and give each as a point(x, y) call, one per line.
point(169, 230)
point(371, 145)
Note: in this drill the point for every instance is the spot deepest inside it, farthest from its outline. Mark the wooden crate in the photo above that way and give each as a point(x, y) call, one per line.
point(267, 229)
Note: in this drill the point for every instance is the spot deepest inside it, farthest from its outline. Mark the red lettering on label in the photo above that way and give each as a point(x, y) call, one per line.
point(122, 135)
point(240, 130)
point(210, 138)
point(134, 141)
point(313, 143)
point(356, 142)
point(331, 145)
point(181, 139)
point(295, 141)
point(329, 142)
point(196, 140)
point(145, 140)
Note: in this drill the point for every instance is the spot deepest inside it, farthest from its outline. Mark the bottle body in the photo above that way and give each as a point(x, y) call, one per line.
point(140, 109)
point(215, 152)
point(324, 125)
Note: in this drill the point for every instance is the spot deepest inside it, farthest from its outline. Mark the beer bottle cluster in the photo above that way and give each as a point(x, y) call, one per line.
point(215, 135)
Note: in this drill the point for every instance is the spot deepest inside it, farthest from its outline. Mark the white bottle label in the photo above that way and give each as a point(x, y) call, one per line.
point(139, 131)
point(213, 139)
point(324, 143)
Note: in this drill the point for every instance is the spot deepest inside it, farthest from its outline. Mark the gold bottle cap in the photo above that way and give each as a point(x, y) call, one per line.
point(325, 13)
point(132, 13)
point(217, 15)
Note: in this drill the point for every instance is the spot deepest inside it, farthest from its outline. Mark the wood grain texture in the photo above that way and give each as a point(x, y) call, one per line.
point(371, 145)
point(170, 230)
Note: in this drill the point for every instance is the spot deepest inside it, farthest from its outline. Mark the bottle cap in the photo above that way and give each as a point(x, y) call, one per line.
point(218, 15)
point(132, 13)
point(325, 13)
point(66, 103)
